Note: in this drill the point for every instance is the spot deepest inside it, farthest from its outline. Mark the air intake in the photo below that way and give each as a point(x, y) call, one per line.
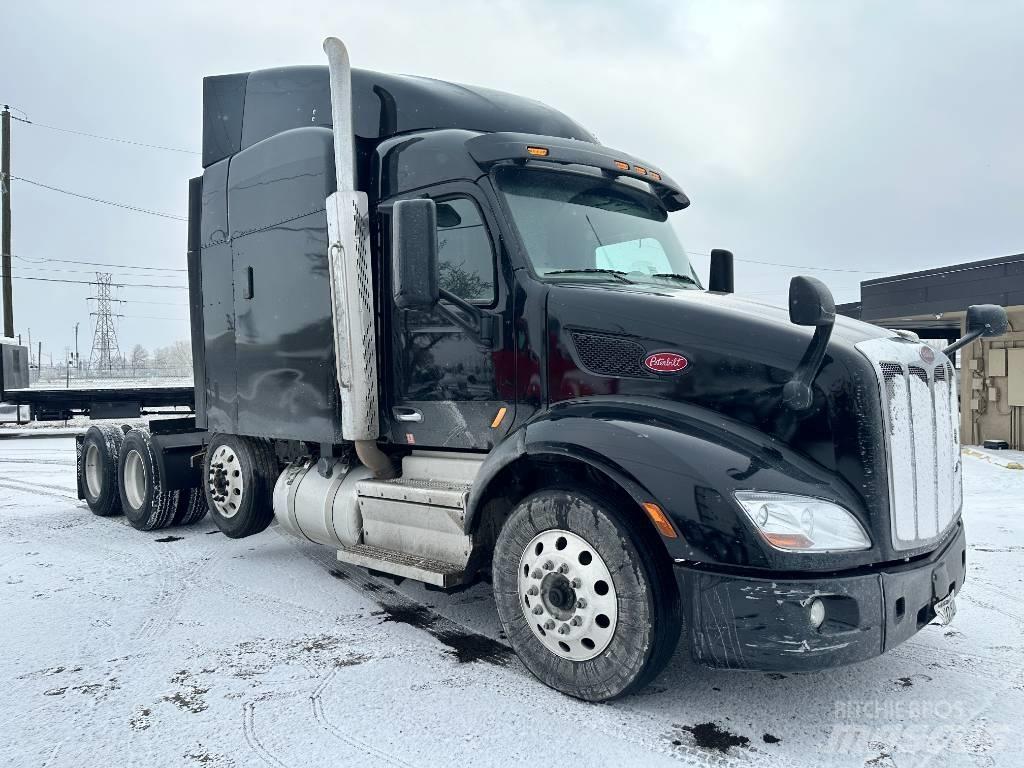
point(610, 355)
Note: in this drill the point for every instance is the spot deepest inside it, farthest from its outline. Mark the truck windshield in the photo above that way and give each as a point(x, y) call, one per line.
point(575, 225)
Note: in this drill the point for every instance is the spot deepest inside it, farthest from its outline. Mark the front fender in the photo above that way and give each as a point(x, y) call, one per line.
point(688, 460)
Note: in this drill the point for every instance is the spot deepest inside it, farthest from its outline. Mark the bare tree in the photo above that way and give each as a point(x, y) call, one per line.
point(140, 358)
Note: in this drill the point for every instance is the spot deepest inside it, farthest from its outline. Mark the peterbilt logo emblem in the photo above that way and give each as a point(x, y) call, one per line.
point(928, 355)
point(665, 362)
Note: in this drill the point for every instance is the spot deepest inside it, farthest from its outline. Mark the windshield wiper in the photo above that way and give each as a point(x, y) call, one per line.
point(616, 273)
point(674, 276)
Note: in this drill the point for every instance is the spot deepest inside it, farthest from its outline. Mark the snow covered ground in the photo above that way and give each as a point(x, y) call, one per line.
point(182, 647)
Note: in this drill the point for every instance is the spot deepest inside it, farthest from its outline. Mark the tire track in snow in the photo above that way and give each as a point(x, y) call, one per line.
point(320, 717)
point(253, 740)
point(36, 489)
point(601, 722)
point(180, 580)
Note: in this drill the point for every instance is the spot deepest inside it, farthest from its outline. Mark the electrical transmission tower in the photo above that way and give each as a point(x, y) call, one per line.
point(104, 340)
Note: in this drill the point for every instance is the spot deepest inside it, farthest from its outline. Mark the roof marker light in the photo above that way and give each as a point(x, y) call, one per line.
point(640, 169)
point(654, 175)
point(537, 151)
point(621, 165)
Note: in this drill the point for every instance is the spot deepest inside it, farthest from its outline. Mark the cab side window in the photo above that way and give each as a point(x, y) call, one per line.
point(464, 253)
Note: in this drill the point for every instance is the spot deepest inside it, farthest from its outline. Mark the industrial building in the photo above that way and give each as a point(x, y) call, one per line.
point(932, 304)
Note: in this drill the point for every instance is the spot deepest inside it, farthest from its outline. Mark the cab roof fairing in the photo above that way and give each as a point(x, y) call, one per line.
point(491, 148)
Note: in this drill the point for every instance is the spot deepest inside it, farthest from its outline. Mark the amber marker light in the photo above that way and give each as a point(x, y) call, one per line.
point(640, 169)
point(660, 520)
point(499, 417)
point(537, 151)
point(654, 175)
point(621, 165)
point(788, 540)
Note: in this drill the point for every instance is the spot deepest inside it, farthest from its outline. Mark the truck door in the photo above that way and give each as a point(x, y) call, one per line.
point(450, 387)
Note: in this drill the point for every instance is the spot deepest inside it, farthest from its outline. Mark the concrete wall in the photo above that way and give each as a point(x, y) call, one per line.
point(985, 413)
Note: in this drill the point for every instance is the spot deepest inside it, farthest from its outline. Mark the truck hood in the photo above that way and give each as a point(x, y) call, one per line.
point(739, 355)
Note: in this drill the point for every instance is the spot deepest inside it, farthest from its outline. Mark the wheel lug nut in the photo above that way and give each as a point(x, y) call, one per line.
point(549, 624)
point(564, 629)
point(538, 610)
point(581, 603)
point(549, 566)
point(576, 583)
point(563, 568)
point(576, 621)
point(533, 591)
point(536, 573)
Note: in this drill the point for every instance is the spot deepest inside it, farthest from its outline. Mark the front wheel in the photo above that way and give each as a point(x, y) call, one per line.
point(584, 611)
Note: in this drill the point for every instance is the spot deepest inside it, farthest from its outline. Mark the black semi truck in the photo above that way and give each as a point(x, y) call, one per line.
point(446, 332)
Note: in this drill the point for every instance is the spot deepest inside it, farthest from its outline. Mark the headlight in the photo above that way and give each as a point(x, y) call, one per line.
point(802, 523)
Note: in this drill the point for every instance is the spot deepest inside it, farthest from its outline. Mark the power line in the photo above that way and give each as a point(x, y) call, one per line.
point(93, 282)
point(59, 270)
point(793, 266)
point(156, 303)
point(16, 109)
point(99, 263)
point(105, 138)
point(99, 200)
point(154, 317)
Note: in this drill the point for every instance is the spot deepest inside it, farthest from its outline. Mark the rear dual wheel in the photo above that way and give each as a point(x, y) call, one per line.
point(147, 504)
point(586, 613)
point(101, 449)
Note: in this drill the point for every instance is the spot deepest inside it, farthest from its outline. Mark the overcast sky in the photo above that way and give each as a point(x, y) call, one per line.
point(882, 137)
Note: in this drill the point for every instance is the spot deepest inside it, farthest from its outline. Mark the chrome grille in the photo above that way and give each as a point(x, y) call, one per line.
point(921, 417)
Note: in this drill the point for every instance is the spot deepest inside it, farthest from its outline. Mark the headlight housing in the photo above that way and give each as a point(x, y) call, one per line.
point(802, 523)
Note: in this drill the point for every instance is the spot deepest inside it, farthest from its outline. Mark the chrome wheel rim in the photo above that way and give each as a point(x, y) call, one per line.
point(93, 476)
point(224, 483)
point(567, 595)
point(135, 479)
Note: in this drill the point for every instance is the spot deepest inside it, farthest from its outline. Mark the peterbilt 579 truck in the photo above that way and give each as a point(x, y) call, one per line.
point(446, 332)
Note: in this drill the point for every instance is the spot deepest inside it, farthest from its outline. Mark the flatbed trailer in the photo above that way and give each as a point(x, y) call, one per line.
point(102, 402)
point(96, 402)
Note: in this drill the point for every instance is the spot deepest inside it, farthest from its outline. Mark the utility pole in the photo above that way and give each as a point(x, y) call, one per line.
point(5, 242)
point(78, 360)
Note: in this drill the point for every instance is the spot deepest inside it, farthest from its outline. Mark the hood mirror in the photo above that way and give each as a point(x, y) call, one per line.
point(810, 304)
point(987, 319)
point(982, 320)
point(720, 278)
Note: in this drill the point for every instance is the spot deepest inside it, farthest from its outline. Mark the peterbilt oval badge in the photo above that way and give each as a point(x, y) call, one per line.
point(665, 362)
point(928, 355)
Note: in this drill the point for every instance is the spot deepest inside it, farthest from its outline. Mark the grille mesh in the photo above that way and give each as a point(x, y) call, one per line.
point(610, 355)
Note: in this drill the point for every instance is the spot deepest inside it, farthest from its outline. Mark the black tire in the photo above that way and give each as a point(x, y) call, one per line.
point(146, 504)
point(101, 448)
point(252, 468)
point(646, 626)
point(191, 507)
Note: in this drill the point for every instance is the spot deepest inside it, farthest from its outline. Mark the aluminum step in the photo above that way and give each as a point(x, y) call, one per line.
point(437, 493)
point(436, 572)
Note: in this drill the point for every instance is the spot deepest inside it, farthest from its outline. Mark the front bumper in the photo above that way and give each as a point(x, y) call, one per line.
point(742, 622)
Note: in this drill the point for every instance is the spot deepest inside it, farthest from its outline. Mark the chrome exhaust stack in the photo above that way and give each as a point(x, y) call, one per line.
point(355, 337)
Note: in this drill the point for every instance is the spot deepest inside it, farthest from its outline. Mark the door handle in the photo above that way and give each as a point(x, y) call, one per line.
point(407, 414)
